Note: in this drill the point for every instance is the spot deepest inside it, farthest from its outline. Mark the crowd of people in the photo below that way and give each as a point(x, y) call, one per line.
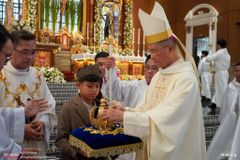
point(164, 109)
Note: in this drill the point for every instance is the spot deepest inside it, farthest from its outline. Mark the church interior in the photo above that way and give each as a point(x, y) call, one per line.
point(69, 34)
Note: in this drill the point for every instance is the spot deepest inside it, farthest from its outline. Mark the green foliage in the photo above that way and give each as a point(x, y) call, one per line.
point(79, 15)
point(47, 10)
point(72, 14)
point(54, 8)
point(42, 14)
point(67, 14)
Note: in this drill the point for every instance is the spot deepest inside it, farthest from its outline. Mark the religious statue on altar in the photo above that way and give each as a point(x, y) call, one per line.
point(109, 24)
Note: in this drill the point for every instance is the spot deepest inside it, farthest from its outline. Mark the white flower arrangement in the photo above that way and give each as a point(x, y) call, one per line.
point(52, 75)
point(32, 14)
point(21, 25)
point(128, 34)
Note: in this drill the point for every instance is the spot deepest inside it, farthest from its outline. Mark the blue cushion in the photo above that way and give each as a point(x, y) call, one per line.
point(95, 143)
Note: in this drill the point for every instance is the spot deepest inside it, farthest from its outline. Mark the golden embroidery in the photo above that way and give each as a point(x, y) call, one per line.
point(104, 132)
point(22, 88)
point(160, 90)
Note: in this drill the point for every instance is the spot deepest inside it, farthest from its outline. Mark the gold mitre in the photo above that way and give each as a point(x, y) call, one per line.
point(156, 29)
point(155, 26)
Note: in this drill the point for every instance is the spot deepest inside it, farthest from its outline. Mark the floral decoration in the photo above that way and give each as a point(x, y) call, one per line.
point(52, 75)
point(21, 25)
point(128, 28)
point(98, 22)
point(32, 15)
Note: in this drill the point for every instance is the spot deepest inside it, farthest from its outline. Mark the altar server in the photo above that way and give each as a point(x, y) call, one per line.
point(130, 93)
point(225, 142)
point(8, 145)
point(221, 60)
point(169, 121)
point(206, 77)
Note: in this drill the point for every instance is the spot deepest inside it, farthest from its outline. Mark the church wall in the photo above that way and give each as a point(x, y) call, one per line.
point(229, 15)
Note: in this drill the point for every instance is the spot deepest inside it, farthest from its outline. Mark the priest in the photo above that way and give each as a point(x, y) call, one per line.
point(23, 83)
point(169, 121)
point(8, 145)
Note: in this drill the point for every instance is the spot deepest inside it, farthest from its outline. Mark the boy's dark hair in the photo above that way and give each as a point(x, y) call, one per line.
point(90, 78)
point(147, 58)
point(222, 43)
point(237, 64)
point(101, 55)
point(205, 53)
point(4, 36)
point(20, 35)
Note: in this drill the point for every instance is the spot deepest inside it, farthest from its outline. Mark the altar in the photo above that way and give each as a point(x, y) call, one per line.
point(67, 45)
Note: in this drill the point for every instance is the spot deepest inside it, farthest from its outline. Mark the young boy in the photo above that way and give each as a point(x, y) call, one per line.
point(75, 113)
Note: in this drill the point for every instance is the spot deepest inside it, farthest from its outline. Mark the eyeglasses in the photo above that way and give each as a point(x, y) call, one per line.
point(153, 68)
point(26, 52)
point(7, 55)
point(156, 50)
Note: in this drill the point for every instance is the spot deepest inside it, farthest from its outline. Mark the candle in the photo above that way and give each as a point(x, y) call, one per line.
point(94, 33)
point(133, 33)
point(139, 35)
point(139, 40)
point(110, 73)
point(94, 38)
point(100, 40)
point(133, 37)
point(143, 43)
point(87, 34)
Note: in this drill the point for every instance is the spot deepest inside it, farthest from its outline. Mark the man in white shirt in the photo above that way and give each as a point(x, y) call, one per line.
point(225, 143)
point(221, 60)
point(8, 145)
point(130, 93)
point(206, 79)
point(101, 59)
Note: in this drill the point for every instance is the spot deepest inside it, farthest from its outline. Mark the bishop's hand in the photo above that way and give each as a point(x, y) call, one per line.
point(114, 115)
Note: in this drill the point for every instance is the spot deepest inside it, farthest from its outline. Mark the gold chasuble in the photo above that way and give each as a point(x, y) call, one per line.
point(20, 86)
